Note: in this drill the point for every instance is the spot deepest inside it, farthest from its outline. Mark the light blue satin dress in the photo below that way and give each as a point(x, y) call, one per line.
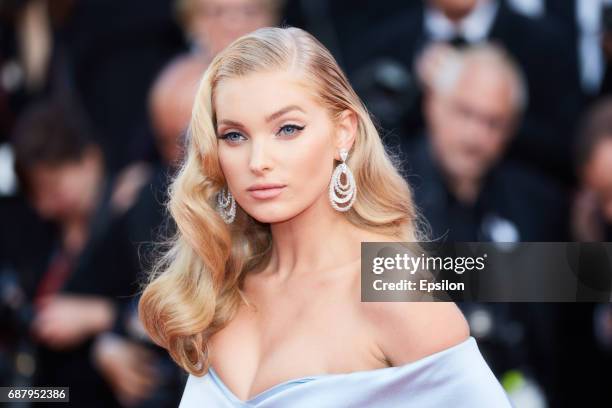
point(454, 377)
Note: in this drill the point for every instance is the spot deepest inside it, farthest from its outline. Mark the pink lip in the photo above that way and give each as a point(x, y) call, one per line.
point(264, 193)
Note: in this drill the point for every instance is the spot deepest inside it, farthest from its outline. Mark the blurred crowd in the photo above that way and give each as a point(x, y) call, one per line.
point(500, 110)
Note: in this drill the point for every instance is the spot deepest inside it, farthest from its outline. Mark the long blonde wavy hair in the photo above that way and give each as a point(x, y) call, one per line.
point(194, 289)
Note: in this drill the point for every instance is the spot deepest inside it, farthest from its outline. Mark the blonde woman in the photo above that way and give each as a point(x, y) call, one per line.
point(258, 297)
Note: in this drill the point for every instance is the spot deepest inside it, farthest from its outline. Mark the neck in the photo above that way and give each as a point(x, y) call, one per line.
point(317, 240)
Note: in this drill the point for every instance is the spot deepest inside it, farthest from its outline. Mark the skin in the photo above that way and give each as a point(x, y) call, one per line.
point(65, 321)
point(127, 366)
point(170, 103)
point(67, 194)
point(455, 10)
point(216, 23)
point(306, 300)
point(597, 177)
point(470, 126)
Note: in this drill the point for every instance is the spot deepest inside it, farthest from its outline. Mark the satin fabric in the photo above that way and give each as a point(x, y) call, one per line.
point(455, 377)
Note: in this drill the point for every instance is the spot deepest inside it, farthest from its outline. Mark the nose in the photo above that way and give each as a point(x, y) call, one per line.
point(473, 126)
point(259, 161)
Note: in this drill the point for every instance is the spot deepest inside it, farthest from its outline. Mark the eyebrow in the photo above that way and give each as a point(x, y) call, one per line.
point(269, 118)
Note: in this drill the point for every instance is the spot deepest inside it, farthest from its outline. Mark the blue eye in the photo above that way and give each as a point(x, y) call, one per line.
point(290, 130)
point(232, 136)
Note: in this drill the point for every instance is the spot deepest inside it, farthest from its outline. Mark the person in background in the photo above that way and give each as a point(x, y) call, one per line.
point(170, 102)
point(62, 173)
point(205, 24)
point(122, 354)
point(592, 215)
point(591, 223)
point(469, 191)
point(466, 188)
point(544, 134)
point(211, 25)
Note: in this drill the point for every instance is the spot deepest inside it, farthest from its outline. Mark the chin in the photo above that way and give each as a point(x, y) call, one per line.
point(270, 216)
point(272, 219)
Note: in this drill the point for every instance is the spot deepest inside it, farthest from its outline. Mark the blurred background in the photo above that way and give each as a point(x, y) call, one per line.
point(500, 112)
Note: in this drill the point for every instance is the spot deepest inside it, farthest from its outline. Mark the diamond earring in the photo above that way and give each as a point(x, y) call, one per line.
point(226, 205)
point(342, 192)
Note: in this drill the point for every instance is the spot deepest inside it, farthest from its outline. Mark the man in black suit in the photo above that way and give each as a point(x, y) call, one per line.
point(83, 272)
point(465, 189)
point(589, 25)
point(538, 45)
point(468, 192)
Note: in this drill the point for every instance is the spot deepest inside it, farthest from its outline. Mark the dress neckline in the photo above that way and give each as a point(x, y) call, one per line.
point(268, 392)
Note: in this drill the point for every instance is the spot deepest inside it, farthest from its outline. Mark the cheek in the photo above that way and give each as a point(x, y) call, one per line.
point(313, 175)
point(233, 162)
point(310, 161)
point(44, 202)
point(74, 188)
point(498, 141)
point(67, 193)
point(51, 202)
point(447, 145)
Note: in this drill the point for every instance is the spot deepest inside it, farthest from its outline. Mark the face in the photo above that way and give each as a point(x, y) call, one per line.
point(171, 111)
point(470, 125)
point(170, 103)
point(598, 176)
point(455, 9)
point(272, 130)
point(217, 23)
point(63, 191)
point(170, 125)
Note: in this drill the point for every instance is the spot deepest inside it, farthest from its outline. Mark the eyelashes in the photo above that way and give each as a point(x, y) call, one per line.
point(229, 136)
point(293, 129)
point(287, 130)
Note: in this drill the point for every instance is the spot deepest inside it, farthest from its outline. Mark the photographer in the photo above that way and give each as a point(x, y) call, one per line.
point(86, 272)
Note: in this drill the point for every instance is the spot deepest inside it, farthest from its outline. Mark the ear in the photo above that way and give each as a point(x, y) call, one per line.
point(346, 131)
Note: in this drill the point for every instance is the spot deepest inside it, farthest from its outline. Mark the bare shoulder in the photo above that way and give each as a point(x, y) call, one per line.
point(409, 331)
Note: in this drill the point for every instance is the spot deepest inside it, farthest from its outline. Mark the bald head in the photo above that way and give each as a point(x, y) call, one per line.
point(170, 103)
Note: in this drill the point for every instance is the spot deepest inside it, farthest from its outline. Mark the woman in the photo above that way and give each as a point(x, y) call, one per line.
point(258, 297)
